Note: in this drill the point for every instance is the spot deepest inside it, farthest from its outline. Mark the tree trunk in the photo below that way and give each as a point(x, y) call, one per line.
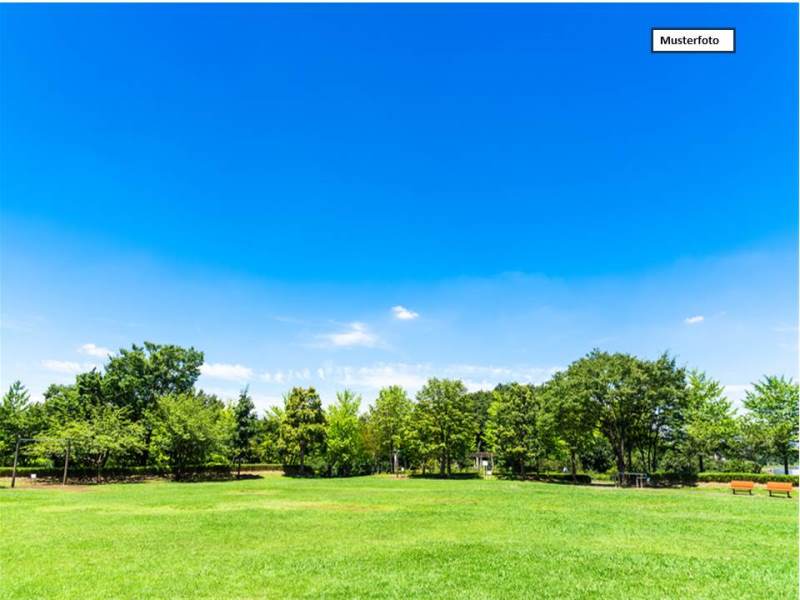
point(148, 434)
point(702, 466)
point(620, 452)
point(239, 469)
point(786, 464)
point(572, 461)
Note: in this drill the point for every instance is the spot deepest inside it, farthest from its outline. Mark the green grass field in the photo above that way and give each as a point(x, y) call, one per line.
point(278, 537)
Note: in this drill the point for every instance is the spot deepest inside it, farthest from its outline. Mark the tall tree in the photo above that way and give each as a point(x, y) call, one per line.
point(104, 433)
point(246, 423)
point(135, 379)
point(344, 440)
point(521, 427)
point(190, 429)
point(14, 418)
point(390, 419)
point(616, 384)
point(269, 435)
point(479, 403)
point(574, 413)
point(446, 426)
point(661, 423)
point(773, 406)
point(303, 425)
point(710, 418)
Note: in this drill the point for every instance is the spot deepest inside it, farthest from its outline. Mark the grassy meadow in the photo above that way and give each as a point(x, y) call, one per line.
point(379, 537)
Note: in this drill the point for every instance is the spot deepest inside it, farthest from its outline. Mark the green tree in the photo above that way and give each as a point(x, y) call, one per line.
point(269, 435)
point(521, 427)
point(135, 379)
point(391, 420)
point(479, 403)
point(773, 407)
point(344, 441)
point(661, 424)
point(445, 425)
point(15, 419)
point(574, 414)
point(246, 423)
point(710, 419)
point(616, 385)
point(302, 426)
point(103, 434)
point(190, 429)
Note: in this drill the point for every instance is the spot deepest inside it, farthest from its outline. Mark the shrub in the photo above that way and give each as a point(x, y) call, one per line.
point(755, 477)
point(580, 478)
point(669, 478)
point(134, 471)
point(298, 471)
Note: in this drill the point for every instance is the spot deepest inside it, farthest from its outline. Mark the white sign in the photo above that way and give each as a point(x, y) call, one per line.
point(693, 40)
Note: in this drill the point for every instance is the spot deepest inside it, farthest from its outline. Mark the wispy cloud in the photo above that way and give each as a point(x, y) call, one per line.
point(357, 334)
point(694, 320)
point(227, 372)
point(414, 376)
point(404, 314)
point(94, 350)
point(290, 375)
point(736, 393)
point(67, 367)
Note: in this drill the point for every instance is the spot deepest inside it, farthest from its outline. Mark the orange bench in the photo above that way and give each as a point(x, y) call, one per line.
point(780, 487)
point(742, 486)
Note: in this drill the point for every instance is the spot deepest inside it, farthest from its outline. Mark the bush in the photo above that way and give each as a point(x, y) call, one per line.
point(755, 477)
point(298, 471)
point(134, 471)
point(580, 478)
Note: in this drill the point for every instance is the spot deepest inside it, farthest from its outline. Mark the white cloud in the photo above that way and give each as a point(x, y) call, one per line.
point(94, 350)
point(404, 314)
point(694, 320)
point(357, 335)
point(736, 393)
point(414, 376)
point(226, 371)
point(67, 367)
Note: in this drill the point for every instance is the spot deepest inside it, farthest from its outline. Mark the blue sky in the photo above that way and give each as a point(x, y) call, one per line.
point(270, 183)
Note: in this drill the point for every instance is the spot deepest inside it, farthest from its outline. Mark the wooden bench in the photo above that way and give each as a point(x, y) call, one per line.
point(780, 487)
point(742, 486)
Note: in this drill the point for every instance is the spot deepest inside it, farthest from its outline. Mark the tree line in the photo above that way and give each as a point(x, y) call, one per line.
point(605, 412)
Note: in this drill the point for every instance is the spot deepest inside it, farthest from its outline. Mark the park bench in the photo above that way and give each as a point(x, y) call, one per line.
point(742, 486)
point(780, 487)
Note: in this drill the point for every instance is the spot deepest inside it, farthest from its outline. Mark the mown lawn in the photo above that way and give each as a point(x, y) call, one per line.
point(384, 538)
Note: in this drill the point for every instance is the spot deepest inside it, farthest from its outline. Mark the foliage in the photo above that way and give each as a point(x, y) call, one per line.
point(725, 477)
point(390, 420)
point(268, 436)
point(521, 427)
point(774, 409)
point(15, 419)
point(575, 416)
point(190, 428)
point(710, 419)
point(443, 422)
point(246, 426)
point(344, 443)
point(302, 426)
point(105, 433)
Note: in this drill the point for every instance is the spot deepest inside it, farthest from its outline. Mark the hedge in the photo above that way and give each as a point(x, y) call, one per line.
point(667, 478)
point(135, 471)
point(755, 477)
point(580, 478)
